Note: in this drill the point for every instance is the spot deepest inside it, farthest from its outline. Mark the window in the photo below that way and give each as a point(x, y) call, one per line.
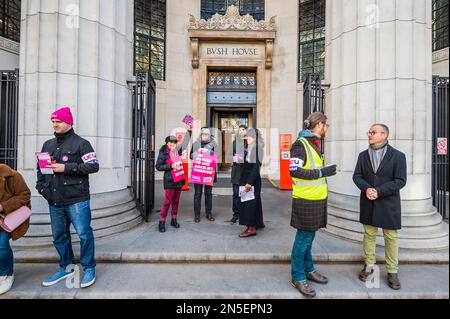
point(10, 19)
point(253, 7)
point(311, 38)
point(440, 24)
point(150, 37)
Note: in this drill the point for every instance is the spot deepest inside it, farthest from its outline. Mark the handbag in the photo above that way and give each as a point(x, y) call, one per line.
point(15, 219)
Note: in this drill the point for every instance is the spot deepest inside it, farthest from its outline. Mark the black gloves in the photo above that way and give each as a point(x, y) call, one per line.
point(329, 170)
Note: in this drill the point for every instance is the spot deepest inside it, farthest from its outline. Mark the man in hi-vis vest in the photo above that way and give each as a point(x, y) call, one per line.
point(309, 200)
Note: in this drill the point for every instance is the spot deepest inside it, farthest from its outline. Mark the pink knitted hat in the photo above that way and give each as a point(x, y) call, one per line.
point(64, 115)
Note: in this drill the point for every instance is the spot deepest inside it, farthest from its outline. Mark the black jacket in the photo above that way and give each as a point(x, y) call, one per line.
point(385, 211)
point(239, 147)
point(250, 173)
point(162, 165)
point(80, 160)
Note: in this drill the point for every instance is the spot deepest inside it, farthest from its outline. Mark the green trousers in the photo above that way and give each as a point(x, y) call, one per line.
point(391, 247)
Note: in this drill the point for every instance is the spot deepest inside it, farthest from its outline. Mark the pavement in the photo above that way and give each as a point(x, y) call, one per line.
point(209, 260)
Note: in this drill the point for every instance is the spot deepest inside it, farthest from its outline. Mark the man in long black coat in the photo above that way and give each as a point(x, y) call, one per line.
point(380, 173)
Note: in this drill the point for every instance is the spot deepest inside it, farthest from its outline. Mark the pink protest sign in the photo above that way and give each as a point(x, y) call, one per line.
point(44, 161)
point(189, 121)
point(203, 167)
point(178, 171)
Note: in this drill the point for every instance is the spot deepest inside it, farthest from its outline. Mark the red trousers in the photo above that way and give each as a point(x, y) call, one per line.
point(171, 196)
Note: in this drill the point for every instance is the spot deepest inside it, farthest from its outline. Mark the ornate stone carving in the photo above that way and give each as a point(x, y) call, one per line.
point(9, 45)
point(440, 55)
point(195, 59)
point(232, 21)
point(269, 52)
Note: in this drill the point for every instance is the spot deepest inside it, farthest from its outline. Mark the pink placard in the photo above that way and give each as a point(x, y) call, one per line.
point(189, 121)
point(203, 168)
point(178, 172)
point(44, 161)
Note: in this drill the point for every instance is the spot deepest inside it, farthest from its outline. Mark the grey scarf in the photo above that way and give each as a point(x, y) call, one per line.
point(376, 154)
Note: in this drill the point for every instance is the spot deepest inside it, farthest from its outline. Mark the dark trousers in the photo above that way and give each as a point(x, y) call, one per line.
point(236, 200)
point(198, 198)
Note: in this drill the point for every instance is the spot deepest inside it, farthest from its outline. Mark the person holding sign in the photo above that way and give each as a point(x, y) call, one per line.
point(250, 205)
point(68, 196)
point(169, 161)
point(205, 143)
point(14, 193)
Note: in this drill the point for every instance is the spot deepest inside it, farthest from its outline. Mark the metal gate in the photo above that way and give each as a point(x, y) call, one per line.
point(143, 143)
point(9, 104)
point(440, 138)
point(313, 95)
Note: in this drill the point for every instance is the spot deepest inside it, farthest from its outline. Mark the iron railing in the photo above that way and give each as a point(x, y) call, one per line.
point(9, 104)
point(143, 143)
point(440, 137)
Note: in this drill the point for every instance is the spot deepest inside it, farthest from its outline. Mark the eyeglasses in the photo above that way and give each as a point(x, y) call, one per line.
point(372, 133)
point(326, 125)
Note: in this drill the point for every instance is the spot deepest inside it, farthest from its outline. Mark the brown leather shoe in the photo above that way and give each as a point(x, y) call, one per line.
point(197, 219)
point(304, 287)
point(317, 277)
point(365, 275)
point(250, 231)
point(393, 281)
point(210, 217)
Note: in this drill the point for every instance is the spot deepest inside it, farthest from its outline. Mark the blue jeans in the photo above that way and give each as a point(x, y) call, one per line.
point(79, 215)
point(301, 257)
point(6, 255)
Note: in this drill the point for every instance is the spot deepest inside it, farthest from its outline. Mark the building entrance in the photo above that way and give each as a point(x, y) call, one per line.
point(231, 101)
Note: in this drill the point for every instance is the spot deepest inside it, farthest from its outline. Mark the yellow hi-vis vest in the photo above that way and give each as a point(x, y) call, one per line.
point(316, 189)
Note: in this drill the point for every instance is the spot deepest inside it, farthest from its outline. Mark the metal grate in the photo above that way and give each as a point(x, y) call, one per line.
point(143, 143)
point(10, 19)
point(440, 24)
point(255, 8)
point(9, 100)
point(440, 132)
point(311, 38)
point(150, 37)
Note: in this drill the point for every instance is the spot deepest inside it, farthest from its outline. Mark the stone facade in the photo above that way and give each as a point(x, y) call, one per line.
point(378, 65)
point(81, 56)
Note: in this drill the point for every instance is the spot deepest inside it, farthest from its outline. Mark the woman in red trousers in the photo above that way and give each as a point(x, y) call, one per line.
point(172, 189)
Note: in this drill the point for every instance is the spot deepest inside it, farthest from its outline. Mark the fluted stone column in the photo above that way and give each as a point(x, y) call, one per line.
point(378, 64)
point(79, 53)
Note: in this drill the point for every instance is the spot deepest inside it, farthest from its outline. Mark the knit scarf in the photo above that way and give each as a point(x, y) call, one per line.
point(376, 154)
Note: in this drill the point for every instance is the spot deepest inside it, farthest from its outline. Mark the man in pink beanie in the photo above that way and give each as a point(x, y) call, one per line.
point(64, 115)
point(68, 196)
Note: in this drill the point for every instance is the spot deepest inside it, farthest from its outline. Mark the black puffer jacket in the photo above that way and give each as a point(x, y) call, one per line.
point(80, 160)
point(162, 165)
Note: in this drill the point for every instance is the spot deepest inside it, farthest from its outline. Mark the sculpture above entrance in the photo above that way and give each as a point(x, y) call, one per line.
point(232, 28)
point(232, 21)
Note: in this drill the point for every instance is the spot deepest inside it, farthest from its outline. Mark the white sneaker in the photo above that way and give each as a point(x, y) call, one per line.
point(6, 283)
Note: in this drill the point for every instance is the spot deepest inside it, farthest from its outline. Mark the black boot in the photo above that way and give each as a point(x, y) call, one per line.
point(174, 223)
point(162, 227)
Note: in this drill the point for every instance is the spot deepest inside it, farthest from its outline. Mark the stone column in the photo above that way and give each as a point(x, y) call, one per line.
point(378, 64)
point(79, 53)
